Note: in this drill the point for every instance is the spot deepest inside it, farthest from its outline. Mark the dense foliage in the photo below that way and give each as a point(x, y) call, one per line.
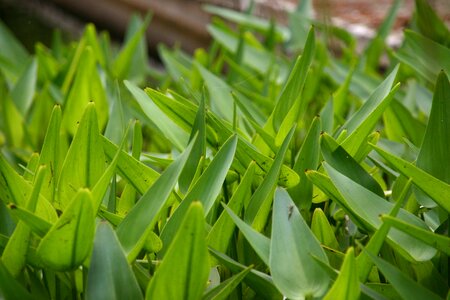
point(280, 162)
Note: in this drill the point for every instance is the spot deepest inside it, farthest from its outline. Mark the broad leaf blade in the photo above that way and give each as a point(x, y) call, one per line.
point(368, 206)
point(69, 241)
point(110, 276)
point(87, 88)
point(85, 160)
point(440, 242)
point(434, 153)
point(185, 267)
point(292, 244)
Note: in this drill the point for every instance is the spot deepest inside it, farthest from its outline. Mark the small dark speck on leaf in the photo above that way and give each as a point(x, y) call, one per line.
point(290, 211)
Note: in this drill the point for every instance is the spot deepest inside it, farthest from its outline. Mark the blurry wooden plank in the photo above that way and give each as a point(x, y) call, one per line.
point(173, 22)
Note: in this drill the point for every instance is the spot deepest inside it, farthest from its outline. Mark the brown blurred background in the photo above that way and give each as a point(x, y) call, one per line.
point(183, 21)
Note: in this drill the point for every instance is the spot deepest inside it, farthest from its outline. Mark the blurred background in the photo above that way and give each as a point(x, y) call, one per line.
point(183, 22)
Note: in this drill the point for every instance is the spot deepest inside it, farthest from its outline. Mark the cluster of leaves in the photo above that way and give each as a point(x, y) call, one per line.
point(245, 174)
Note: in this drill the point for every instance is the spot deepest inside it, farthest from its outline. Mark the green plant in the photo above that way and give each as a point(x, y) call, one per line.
point(261, 167)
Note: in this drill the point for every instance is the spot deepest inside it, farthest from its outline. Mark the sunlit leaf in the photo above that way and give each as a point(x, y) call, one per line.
point(346, 286)
point(70, 239)
point(434, 155)
point(185, 267)
point(205, 190)
point(134, 228)
point(85, 161)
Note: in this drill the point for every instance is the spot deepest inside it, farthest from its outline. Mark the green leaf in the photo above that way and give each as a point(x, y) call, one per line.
point(218, 132)
point(134, 228)
point(400, 123)
point(424, 55)
point(69, 241)
point(260, 282)
point(259, 242)
point(405, 286)
point(440, 242)
point(198, 150)
point(37, 224)
point(9, 288)
point(259, 205)
point(225, 288)
point(376, 46)
point(205, 190)
point(377, 240)
point(110, 276)
point(85, 160)
point(100, 188)
point(138, 67)
point(438, 190)
point(16, 190)
point(363, 121)
point(220, 235)
point(367, 207)
point(322, 229)
point(169, 129)
point(307, 159)
point(14, 57)
point(14, 254)
point(220, 94)
point(184, 270)
point(87, 87)
point(429, 23)
point(256, 58)
point(122, 64)
point(343, 162)
point(140, 176)
point(250, 21)
point(116, 122)
point(23, 92)
point(434, 155)
point(51, 154)
point(292, 243)
point(294, 85)
point(346, 286)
